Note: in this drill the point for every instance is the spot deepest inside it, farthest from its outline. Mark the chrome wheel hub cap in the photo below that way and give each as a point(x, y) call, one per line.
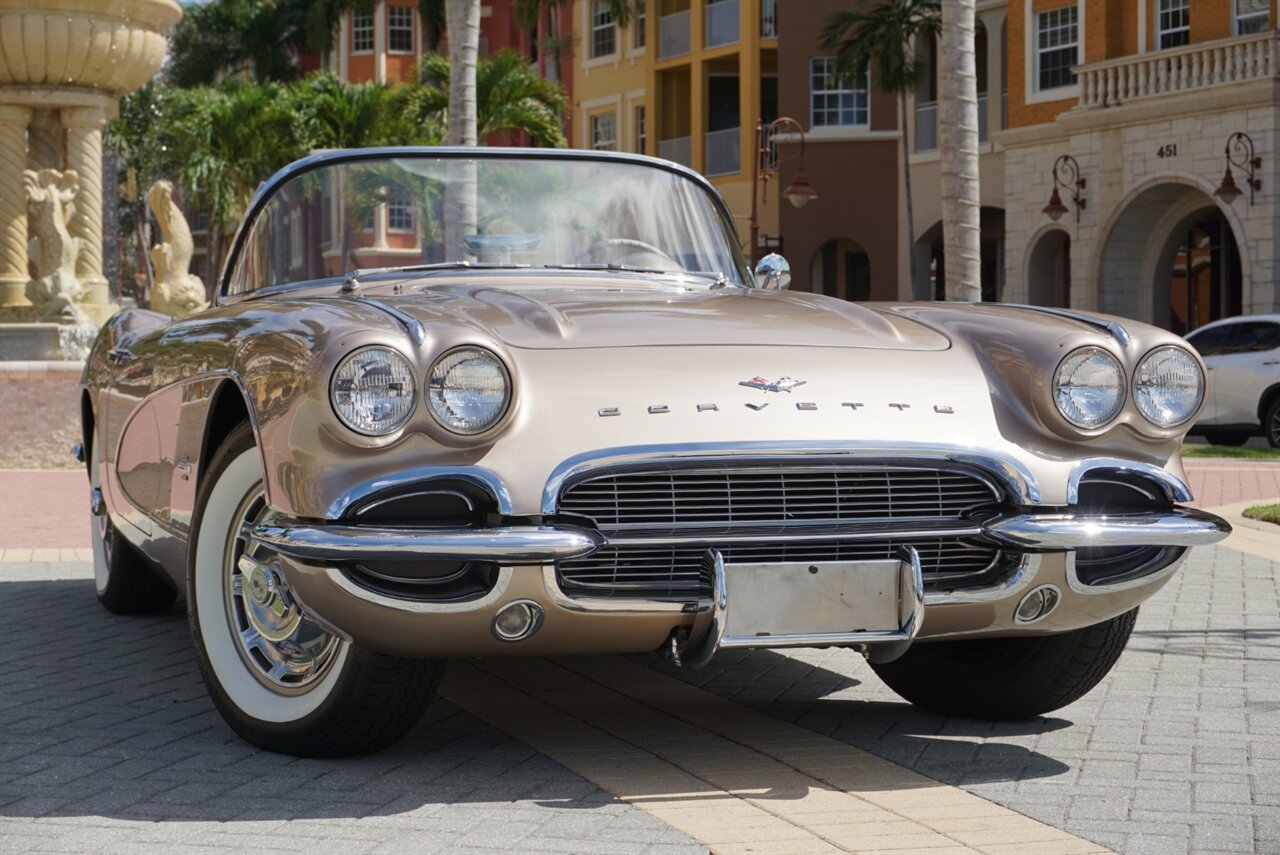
point(279, 643)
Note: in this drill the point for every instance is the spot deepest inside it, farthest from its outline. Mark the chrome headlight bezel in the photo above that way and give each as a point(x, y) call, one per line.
point(1105, 417)
point(409, 376)
point(1139, 400)
point(436, 406)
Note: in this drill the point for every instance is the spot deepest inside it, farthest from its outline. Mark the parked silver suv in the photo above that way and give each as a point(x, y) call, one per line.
point(1243, 358)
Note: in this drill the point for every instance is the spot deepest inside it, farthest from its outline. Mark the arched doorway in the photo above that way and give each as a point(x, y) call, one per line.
point(1049, 270)
point(1172, 258)
point(841, 268)
point(931, 264)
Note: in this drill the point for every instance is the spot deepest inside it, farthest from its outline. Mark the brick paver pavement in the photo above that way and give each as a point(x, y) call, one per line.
point(1177, 751)
point(109, 743)
point(1225, 482)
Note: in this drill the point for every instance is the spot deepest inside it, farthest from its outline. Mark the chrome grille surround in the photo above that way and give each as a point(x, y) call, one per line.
point(659, 518)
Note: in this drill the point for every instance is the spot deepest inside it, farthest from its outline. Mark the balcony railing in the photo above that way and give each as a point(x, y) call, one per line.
point(724, 152)
point(927, 123)
point(678, 150)
point(1224, 61)
point(673, 35)
point(722, 23)
point(769, 19)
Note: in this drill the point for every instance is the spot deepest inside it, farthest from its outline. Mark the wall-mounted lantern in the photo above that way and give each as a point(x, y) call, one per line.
point(1066, 174)
point(1239, 153)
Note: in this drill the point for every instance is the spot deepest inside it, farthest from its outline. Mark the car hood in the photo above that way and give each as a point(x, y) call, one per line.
point(618, 313)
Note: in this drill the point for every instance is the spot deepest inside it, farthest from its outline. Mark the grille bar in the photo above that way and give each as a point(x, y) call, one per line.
point(778, 496)
point(676, 571)
point(659, 524)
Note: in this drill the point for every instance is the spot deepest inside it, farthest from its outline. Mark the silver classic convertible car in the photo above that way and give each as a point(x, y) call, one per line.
point(493, 402)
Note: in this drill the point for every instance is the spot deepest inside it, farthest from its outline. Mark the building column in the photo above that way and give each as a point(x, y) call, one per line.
point(13, 205)
point(84, 154)
point(380, 43)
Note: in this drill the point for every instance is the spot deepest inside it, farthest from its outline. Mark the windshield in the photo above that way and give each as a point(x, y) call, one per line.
point(398, 211)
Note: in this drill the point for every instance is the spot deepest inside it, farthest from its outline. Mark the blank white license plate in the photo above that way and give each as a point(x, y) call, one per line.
point(804, 598)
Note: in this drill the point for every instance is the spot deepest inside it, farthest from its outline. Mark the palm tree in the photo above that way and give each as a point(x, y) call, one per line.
point(528, 15)
point(509, 97)
point(958, 151)
point(882, 39)
point(224, 141)
point(250, 39)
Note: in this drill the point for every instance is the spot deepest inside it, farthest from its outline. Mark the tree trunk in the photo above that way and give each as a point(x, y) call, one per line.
point(906, 182)
point(958, 151)
point(462, 25)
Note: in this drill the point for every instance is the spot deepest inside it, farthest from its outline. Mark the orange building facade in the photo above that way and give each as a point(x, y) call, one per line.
point(1148, 98)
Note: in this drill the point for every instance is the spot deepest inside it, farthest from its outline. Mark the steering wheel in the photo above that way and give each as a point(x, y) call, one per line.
point(637, 246)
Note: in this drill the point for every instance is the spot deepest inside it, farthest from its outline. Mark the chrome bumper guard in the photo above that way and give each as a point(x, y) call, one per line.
point(506, 545)
point(544, 544)
point(1176, 527)
point(911, 602)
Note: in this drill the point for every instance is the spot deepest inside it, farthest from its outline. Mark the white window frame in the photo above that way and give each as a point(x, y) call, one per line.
point(1163, 14)
point(638, 26)
point(601, 20)
point(358, 28)
point(596, 124)
point(1264, 14)
point(1040, 18)
point(839, 92)
point(641, 130)
point(400, 207)
point(392, 26)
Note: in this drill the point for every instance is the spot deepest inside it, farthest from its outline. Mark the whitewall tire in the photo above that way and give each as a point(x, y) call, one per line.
point(280, 679)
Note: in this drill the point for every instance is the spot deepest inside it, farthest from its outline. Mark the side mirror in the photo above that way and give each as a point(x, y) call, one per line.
point(773, 273)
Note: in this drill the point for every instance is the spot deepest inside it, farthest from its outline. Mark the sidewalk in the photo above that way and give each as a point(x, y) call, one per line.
point(48, 509)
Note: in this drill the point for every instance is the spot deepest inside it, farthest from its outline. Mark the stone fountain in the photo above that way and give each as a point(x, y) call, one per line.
point(64, 65)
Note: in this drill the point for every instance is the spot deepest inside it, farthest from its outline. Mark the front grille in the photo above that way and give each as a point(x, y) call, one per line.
point(711, 505)
point(676, 572)
point(762, 496)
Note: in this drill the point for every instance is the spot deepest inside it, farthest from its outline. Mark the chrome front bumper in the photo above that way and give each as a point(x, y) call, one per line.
point(334, 543)
point(313, 557)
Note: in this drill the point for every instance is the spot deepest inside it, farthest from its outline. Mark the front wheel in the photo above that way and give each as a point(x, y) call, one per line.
point(1008, 678)
point(280, 679)
point(1271, 423)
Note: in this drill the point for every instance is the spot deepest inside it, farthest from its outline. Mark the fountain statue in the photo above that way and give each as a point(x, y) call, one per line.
point(52, 252)
point(61, 77)
point(176, 291)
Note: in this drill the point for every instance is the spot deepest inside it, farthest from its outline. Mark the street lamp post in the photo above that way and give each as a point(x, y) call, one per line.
point(763, 167)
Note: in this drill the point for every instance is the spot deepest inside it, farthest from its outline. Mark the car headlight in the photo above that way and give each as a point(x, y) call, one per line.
point(1168, 386)
point(1089, 387)
point(468, 390)
point(373, 391)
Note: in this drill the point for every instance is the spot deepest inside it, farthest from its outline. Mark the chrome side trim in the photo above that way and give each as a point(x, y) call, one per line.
point(512, 544)
point(607, 605)
point(1115, 330)
point(1016, 480)
point(1074, 583)
point(483, 478)
point(339, 579)
point(1020, 579)
point(1174, 487)
point(1177, 527)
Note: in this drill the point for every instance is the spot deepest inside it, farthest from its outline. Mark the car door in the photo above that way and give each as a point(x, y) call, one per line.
point(1245, 371)
point(1212, 343)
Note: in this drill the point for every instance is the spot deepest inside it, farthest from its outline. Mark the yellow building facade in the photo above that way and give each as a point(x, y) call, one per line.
point(685, 80)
